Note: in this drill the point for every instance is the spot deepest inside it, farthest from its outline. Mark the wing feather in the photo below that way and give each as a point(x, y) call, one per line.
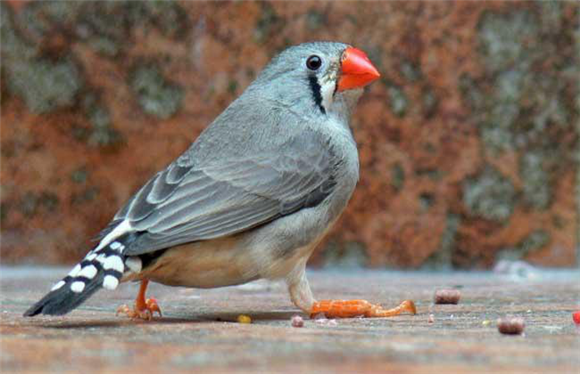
point(189, 202)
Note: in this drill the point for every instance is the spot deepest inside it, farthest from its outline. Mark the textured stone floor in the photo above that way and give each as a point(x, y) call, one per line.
point(199, 332)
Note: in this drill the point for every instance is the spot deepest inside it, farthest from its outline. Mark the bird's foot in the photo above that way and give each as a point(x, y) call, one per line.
point(144, 311)
point(358, 308)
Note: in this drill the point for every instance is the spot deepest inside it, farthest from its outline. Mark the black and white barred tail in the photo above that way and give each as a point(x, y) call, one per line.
point(102, 267)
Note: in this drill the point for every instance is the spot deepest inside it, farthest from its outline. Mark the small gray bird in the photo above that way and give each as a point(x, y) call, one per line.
point(250, 198)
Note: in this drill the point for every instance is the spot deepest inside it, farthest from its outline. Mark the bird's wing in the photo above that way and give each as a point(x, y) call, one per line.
point(186, 203)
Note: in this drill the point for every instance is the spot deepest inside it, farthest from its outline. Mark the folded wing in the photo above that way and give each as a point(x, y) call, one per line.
point(188, 202)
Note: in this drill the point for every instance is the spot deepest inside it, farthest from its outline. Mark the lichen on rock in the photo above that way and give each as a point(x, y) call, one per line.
point(536, 180)
point(156, 95)
point(535, 241)
point(489, 195)
point(56, 83)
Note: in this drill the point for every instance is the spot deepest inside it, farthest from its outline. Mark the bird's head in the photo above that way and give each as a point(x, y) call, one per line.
point(323, 77)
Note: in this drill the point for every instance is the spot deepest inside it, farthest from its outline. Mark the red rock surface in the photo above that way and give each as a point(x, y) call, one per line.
point(467, 144)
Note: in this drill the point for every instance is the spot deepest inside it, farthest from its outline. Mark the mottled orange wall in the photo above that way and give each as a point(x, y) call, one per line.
point(468, 144)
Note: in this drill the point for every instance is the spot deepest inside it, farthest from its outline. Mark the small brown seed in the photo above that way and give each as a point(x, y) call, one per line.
point(511, 325)
point(447, 296)
point(297, 321)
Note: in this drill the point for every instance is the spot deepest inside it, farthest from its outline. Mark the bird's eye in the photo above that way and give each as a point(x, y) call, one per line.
point(314, 62)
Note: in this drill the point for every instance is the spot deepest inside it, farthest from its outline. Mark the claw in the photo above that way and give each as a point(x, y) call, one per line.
point(123, 309)
point(405, 306)
point(136, 313)
point(152, 306)
point(143, 309)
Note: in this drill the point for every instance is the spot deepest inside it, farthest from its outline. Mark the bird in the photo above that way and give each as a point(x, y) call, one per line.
point(249, 199)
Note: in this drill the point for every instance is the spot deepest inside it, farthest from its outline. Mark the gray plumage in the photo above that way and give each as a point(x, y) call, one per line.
point(276, 167)
point(241, 173)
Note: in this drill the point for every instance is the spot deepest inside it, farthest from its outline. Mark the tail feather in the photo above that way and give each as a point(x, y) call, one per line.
point(63, 300)
point(101, 267)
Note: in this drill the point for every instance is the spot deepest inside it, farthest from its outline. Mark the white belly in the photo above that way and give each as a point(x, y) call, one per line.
point(215, 263)
point(278, 250)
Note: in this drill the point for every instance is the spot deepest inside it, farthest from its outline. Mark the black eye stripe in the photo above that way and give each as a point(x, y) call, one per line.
point(314, 62)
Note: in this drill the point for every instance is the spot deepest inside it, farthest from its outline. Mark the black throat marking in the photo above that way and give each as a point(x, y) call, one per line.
point(316, 92)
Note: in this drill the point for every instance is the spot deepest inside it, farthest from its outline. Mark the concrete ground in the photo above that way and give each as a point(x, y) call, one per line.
point(199, 332)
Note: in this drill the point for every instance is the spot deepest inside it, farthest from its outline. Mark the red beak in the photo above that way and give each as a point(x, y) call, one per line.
point(356, 70)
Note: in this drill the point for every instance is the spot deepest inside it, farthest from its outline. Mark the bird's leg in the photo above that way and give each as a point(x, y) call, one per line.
point(144, 308)
point(356, 308)
point(300, 292)
point(301, 296)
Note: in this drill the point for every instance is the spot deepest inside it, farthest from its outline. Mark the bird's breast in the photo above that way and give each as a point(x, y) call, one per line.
point(205, 264)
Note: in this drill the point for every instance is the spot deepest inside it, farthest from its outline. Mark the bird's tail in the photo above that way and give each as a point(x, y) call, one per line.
point(102, 267)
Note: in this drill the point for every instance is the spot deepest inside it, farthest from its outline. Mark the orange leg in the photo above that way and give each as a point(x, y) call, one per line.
point(355, 308)
point(144, 308)
point(302, 297)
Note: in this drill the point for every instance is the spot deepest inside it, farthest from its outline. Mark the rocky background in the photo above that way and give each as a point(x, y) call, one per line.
point(468, 144)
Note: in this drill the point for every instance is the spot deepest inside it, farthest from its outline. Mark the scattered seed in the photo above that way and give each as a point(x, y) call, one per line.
point(242, 318)
point(326, 322)
point(297, 321)
point(447, 296)
point(319, 316)
point(321, 321)
point(576, 317)
point(511, 326)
